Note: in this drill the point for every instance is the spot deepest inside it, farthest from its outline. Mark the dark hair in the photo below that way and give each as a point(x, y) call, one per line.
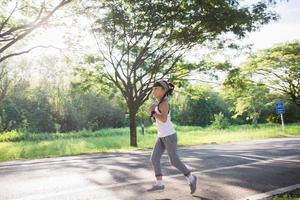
point(169, 87)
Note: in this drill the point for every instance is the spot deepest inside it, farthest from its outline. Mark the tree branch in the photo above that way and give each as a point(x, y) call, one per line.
point(7, 19)
point(33, 27)
point(26, 51)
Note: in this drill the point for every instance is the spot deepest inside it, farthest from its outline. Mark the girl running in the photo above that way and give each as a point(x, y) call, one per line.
point(167, 138)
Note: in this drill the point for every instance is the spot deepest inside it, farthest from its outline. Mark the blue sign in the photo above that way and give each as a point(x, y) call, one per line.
point(280, 108)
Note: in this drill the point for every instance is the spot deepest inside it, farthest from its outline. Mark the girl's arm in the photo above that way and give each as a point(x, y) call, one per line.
point(164, 109)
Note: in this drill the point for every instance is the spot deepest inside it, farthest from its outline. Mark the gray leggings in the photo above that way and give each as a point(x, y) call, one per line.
point(170, 143)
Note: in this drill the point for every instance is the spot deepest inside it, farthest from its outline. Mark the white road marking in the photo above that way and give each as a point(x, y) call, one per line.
point(255, 156)
point(243, 157)
point(285, 158)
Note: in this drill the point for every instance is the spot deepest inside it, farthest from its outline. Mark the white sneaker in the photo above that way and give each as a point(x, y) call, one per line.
point(193, 185)
point(156, 188)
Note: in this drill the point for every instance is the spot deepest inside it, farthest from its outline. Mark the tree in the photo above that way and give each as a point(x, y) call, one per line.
point(197, 105)
point(141, 41)
point(13, 29)
point(247, 96)
point(278, 68)
point(4, 82)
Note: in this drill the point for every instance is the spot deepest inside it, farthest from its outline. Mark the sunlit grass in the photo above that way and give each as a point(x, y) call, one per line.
point(27, 146)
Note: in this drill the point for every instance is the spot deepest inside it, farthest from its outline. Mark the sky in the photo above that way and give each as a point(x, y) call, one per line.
point(286, 28)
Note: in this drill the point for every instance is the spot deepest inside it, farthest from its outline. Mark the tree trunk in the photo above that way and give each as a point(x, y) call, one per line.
point(295, 99)
point(255, 118)
point(133, 136)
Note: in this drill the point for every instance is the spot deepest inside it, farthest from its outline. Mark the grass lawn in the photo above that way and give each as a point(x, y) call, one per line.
point(15, 145)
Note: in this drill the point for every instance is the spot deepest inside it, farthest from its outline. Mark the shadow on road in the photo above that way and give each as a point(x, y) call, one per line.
point(163, 199)
point(201, 198)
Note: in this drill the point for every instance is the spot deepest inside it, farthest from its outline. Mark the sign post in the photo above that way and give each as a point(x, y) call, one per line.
point(280, 110)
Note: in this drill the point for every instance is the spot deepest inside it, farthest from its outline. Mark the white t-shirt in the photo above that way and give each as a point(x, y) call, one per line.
point(164, 128)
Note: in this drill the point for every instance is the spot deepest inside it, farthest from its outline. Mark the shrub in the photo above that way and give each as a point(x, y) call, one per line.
point(220, 122)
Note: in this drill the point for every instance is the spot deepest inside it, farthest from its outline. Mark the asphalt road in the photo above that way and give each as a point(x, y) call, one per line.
point(228, 171)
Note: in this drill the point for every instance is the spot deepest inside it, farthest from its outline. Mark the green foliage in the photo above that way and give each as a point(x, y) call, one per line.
point(267, 76)
point(249, 98)
point(34, 110)
point(279, 69)
point(291, 195)
point(9, 116)
point(92, 112)
point(10, 136)
point(198, 105)
point(220, 121)
point(17, 136)
point(199, 20)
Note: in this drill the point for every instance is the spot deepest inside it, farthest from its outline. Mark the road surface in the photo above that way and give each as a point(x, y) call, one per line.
point(241, 170)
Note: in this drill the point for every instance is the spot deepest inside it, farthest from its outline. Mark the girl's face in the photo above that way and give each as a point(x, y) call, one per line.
point(158, 92)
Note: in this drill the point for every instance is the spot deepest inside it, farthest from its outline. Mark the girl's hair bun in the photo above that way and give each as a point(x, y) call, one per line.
point(171, 88)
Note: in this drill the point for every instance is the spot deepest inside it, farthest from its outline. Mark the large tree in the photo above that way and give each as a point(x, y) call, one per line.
point(278, 68)
point(248, 98)
point(20, 18)
point(140, 41)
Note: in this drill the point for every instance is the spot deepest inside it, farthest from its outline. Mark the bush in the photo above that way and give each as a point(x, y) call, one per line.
point(198, 106)
point(10, 136)
point(151, 130)
point(220, 122)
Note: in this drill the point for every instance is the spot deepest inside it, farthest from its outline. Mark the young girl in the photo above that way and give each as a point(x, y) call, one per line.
point(167, 138)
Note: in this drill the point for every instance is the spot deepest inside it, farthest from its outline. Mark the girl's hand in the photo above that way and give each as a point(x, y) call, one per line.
point(150, 109)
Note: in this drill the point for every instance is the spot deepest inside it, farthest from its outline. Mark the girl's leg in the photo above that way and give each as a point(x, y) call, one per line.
point(158, 150)
point(171, 146)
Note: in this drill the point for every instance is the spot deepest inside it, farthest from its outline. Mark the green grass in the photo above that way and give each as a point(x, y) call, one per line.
point(15, 145)
point(292, 195)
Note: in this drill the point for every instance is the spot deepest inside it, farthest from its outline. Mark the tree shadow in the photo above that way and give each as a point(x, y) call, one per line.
point(163, 199)
point(201, 198)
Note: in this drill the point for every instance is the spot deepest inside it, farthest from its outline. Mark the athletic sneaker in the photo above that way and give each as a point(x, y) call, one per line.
point(193, 185)
point(156, 188)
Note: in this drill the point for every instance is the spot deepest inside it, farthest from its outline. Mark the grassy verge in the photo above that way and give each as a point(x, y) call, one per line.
point(15, 145)
point(292, 195)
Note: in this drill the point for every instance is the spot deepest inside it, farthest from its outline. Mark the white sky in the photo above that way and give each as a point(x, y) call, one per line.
point(285, 29)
